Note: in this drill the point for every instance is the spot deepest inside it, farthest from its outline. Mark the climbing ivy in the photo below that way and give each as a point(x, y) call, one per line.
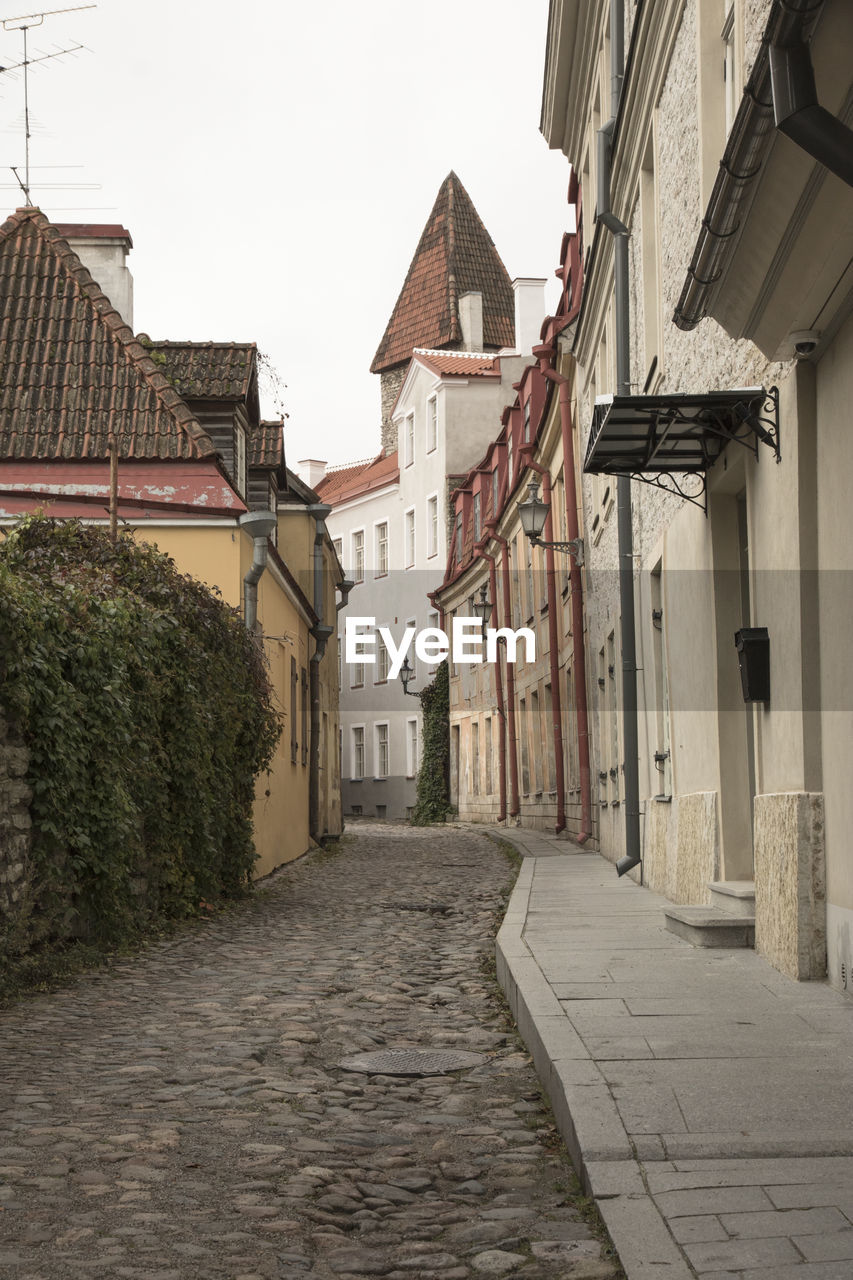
point(433, 798)
point(146, 711)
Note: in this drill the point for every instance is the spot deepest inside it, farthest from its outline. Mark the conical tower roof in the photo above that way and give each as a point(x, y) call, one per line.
point(455, 255)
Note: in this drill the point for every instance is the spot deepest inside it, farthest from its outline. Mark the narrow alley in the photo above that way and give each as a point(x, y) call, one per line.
point(187, 1115)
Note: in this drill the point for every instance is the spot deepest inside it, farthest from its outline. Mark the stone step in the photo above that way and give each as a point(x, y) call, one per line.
point(709, 927)
point(737, 897)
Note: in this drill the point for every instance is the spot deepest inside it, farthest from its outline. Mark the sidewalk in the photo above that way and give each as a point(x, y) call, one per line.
point(707, 1100)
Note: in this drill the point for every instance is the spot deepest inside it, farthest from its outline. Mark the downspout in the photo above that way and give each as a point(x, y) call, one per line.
point(576, 587)
point(499, 691)
point(553, 633)
point(259, 525)
point(320, 632)
point(514, 804)
point(624, 529)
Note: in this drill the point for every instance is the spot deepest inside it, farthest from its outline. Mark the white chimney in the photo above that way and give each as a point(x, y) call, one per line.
point(529, 312)
point(103, 250)
point(471, 320)
point(311, 471)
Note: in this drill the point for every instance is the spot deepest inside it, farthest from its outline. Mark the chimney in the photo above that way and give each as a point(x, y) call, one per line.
point(311, 471)
point(103, 250)
point(529, 312)
point(471, 320)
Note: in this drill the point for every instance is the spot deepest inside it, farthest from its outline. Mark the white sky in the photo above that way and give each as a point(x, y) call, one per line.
point(275, 164)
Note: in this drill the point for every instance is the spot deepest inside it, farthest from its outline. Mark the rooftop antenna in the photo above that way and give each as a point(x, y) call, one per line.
point(23, 24)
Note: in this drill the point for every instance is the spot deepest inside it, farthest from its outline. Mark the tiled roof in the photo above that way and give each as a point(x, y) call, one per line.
point(455, 255)
point(266, 445)
point(207, 370)
point(71, 370)
point(464, 363)
point(359, 477)
point(94, 230)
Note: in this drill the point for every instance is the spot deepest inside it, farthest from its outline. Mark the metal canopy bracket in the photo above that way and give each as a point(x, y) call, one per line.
point(672, 441)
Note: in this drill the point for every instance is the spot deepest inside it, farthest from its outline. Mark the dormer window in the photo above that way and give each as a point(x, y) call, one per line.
point(240, 460)
point(477, 519)
point(527, 420)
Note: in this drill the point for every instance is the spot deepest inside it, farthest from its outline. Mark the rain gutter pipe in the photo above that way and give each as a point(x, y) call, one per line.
point(259, 525)
point(525, 453)
point(499, 685)
point(781, 90)
point(514, 805)
point(576, 587)
point(320, 632)
point(624, 528)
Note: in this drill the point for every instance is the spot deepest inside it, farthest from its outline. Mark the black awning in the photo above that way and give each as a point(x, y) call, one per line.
point(649, 436)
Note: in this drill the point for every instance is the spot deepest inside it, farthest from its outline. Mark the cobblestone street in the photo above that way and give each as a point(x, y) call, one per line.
point(185, 1114)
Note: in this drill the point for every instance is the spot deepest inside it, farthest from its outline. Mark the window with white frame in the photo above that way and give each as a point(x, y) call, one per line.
point(356, 675)
point(411, 748)
point(381, 735)
point(432, 424)
point(338, 544)
point(410, 537)
point(527, 420)
point(383, 661)
point(357, 763)
point(358, 556)
point(478, 522)
point(409, 439)
point(381, 549)
point(432, 525)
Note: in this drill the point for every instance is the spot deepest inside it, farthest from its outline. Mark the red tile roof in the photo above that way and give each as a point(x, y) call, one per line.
point(266, 445)
point(207, 370)
point(95, 230)
point(71, 370)
point(466, 364)
point(358, 477)
point(455, 255)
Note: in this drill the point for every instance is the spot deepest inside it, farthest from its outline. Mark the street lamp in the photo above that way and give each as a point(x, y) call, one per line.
point(483, 606)
point(534, 513)
point(406, 673)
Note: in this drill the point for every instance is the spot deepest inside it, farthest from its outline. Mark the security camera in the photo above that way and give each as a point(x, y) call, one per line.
point(805, 341)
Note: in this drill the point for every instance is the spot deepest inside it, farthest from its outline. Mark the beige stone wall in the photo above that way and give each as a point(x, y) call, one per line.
point(790, 883)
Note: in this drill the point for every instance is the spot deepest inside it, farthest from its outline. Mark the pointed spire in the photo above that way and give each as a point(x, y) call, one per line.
point(455, 255)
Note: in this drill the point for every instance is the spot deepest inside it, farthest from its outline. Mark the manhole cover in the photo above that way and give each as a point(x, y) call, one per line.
point(413, 1062)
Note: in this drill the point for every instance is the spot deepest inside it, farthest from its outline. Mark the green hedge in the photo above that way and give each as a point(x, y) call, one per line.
point(147, 713)
point(433, 798)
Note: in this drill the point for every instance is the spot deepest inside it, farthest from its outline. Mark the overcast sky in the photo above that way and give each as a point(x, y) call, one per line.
point(275, 164)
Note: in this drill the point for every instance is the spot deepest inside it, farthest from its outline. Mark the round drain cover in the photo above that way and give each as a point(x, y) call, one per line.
point(413, 1062)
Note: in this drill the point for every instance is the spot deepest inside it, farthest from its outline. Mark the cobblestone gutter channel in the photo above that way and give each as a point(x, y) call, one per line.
point(185, 1115)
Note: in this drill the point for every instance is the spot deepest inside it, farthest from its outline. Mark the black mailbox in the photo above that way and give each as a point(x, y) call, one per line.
point(753, 655)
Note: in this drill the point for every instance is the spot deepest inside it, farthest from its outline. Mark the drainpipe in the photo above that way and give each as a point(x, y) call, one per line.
point(525, 453)
point(320, 632)
point(259, 525)
point(624, 529)
point(499, 689)
point(514, 805)
point(796, 110)
point(576, 581)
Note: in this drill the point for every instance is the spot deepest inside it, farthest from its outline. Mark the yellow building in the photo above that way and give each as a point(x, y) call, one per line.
point(197, 473)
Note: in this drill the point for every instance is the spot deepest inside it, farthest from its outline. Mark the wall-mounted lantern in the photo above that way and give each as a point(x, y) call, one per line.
point(534, 513)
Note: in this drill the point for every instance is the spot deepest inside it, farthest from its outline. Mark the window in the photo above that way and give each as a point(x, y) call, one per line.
point(549, 739)
point(381, 731)
point(294, 733)
point(340, 661)
point(381, 549)
point(477, 518)
point(383, 661)
point(358, 556)
point(358, 751)
point(304, 708)
point(458, 537)
point(523, 729)
point(357, 679)
point(411, 748)
point(240, 460)
point(432, 424)
point(432, 525)
point(495, 491)
point(730, 76)
point(339, 548)
point(508, 460)
point(410, 440)
point(475, 758)
point(487, 727)
point(410, 538)
point(536, 729)
point(527, 420)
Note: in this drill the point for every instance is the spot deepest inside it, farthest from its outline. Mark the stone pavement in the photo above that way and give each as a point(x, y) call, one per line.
point(706, 1099)
point(183, 1116)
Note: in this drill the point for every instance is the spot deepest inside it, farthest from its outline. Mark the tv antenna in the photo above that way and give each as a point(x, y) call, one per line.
point(23, 24)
